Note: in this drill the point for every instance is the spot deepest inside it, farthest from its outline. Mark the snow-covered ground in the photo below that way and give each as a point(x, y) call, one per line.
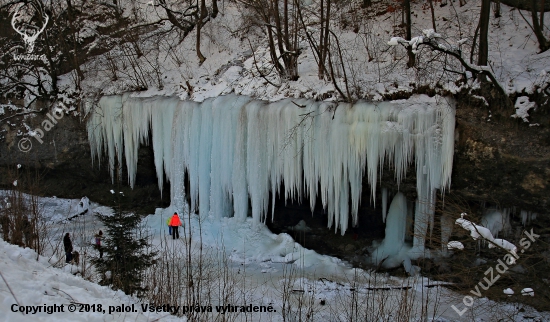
point(261, 265)
point(36, 285)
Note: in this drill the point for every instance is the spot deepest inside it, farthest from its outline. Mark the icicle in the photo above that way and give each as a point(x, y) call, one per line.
point(497, 220)
point(384, 203)
point(527, 217)
point(235, 149)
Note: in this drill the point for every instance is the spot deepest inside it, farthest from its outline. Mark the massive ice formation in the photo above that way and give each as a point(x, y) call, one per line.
point(235, 149)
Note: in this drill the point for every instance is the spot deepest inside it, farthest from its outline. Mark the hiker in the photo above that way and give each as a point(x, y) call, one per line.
point(175, 222)
point(169, 227)
point(98, 238)
point(68, 245)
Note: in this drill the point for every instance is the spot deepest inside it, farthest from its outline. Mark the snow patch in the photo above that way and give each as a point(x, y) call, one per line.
point(528, 291)
point(523, 105)
point(455, 245)
point(508, 292)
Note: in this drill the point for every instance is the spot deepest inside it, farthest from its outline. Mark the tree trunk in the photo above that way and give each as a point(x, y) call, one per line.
point(407, 9)
point(544, 44)
point(484, 17)
point(474, 43)
point(321, 67)
point(202, 14)
point(214, 9)
point(278, 27)
point(542, 13)
point(323, 37)
point(204, 11)
point(74, 54)
point(433, 14)
point(496, 9)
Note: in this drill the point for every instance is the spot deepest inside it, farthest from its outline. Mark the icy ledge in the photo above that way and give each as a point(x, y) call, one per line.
point(235, 148)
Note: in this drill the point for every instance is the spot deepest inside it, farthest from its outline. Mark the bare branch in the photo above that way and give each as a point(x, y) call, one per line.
point(21, 114)
point(430, 39)
point(258, 69)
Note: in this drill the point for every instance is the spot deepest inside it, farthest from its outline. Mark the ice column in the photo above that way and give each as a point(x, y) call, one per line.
point(390, 251)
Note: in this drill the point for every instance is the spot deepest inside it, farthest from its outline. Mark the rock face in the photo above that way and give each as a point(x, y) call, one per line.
point(497, 159)
point(62, 166)
point(500, 160)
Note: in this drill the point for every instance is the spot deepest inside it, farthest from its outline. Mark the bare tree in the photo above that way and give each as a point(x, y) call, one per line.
point(215, 10)
point(433, 14)
point(323, 36)
point(538, 25)
point(408, 25)
point(280, 18)
point(496, 9)
point(436, 43)
point(183, 19)
point(322, 47)
point(201, 15)
point(484, 17)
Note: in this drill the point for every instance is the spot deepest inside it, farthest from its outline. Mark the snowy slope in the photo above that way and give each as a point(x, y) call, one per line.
point(37, 283)
point(234, 57)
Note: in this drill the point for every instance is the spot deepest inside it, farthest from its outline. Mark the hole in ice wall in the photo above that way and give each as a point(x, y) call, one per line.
point(352, 246)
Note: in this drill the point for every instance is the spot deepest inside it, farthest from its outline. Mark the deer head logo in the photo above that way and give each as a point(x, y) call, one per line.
point(29, 32)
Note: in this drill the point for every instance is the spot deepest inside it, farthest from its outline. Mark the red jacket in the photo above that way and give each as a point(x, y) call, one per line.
point(175, 221)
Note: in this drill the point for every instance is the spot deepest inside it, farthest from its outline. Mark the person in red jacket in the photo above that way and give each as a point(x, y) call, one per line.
point(175, 222)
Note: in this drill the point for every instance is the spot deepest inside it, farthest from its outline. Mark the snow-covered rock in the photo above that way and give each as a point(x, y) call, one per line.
point(455, 245)
point(528, 291)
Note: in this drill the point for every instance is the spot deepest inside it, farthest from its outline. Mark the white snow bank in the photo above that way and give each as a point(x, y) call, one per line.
point(504, 244)
point(36, 283)
point(476, 231)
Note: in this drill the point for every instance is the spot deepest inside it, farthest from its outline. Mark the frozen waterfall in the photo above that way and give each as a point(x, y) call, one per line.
point(235, 149)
